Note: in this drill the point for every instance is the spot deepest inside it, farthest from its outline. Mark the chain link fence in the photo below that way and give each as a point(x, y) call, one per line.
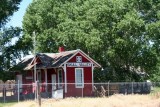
point(21, 92)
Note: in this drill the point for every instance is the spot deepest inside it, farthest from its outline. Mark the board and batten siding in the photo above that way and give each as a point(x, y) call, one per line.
point(87, 73)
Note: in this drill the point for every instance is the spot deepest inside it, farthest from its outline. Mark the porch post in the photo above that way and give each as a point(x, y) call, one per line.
point(35, 82)
point(65, 78)
point(92, 77)
point(45, 70)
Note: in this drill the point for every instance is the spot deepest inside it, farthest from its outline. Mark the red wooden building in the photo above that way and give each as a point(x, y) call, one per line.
point(71, 71)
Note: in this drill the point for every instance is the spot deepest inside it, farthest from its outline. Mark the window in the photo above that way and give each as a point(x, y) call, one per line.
point(79, 78)
point(78, 59)
point(39, 75)
point(60, 78)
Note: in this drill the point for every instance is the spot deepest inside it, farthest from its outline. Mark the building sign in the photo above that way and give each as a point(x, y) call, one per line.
point(76, 64)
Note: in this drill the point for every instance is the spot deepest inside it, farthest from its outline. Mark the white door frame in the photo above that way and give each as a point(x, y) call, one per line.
point(53, 77)
point(60, 85)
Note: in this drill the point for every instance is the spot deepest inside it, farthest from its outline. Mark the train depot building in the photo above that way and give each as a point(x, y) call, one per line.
point(63, 74)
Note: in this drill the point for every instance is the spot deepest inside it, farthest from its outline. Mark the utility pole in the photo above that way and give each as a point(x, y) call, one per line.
point(35, 83)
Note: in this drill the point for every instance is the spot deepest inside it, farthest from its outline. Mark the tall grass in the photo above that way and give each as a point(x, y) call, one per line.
point(8, 104)
point(156, 92)
point(112, 101)
point(117, 100)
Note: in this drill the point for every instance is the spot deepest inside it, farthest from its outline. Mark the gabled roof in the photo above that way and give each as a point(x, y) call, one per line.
point(52, 60)
point(22, 64)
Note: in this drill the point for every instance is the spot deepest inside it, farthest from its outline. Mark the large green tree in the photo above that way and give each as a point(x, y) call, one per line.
point(7, 8)
point(119, 34)
point(9, 51)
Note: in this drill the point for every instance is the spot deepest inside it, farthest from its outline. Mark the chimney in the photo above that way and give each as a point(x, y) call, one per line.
point(61, 49)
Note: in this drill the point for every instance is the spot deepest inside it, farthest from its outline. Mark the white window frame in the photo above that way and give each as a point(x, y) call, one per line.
point(76, 84)
point(60, 84)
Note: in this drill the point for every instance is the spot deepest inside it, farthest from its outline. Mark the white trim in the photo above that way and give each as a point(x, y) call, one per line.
point(82, 78)
point(34, 59)
point(54, 86)
point(60, 85)
point(84, 55)
point(45, 71)
point(69, 59)
point(42, 68)
point(82, 64)
point(89, 58)
point(65, 78)
point(92, 77)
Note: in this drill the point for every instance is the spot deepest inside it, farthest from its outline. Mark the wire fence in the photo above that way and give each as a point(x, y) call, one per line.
point(19, 92)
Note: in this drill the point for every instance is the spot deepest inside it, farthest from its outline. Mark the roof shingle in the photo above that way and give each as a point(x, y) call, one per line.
point(48, 60)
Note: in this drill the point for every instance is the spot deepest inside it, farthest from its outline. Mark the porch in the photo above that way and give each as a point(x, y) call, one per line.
point(51, 82)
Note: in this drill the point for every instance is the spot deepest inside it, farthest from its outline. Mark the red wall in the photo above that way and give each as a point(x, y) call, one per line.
point(78, 54)
point(71, 89)
point(28, 88)
point(49, 77)
point(49, 74)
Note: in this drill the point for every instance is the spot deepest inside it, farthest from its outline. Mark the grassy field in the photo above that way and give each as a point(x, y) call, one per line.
point(150, 100)
point(7, 104)
point(156, 90)
point(113, 101)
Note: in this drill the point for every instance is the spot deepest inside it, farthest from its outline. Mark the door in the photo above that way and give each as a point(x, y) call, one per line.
point(60, 78)
point(39, 75)
point(19, 78)
point(53, 84)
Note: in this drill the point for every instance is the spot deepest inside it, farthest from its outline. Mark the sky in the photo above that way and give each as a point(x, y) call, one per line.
point(16, 19)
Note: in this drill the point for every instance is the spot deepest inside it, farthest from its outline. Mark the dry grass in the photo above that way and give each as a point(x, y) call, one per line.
point(113, 101)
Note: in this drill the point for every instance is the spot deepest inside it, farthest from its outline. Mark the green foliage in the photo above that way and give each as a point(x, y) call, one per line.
point(155, 76)
point(7, 8)
point(119, 34)
point(9, 52)
point(7, 49)
point(7, 104)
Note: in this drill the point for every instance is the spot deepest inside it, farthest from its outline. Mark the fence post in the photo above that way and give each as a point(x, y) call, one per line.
point(108, 88)
point(4, 93)
point(18, 91)
point(35, 90)
point(132, 88)
point(39, 94)
point(82, 89)
point(126, 89)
